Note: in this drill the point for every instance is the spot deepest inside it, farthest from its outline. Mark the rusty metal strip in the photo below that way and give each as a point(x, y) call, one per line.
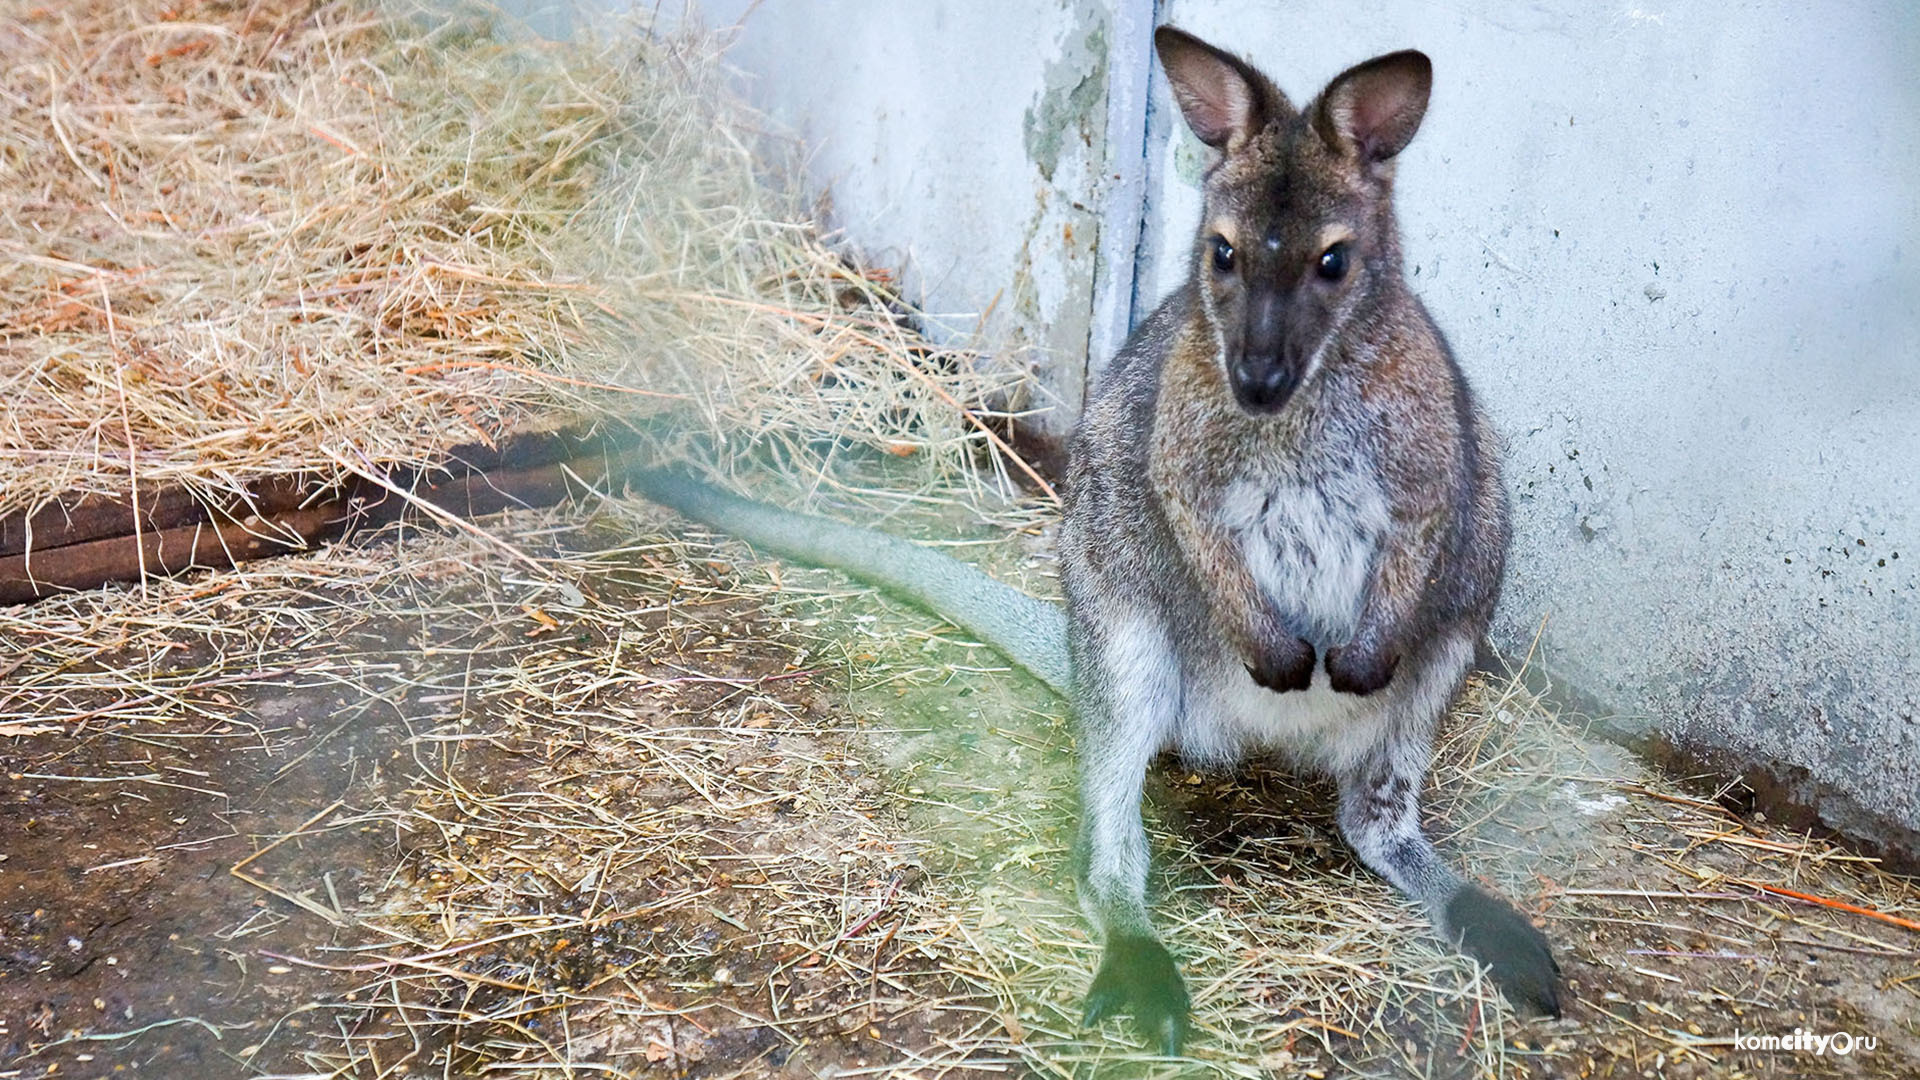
point(287, 520)
point(84, 518)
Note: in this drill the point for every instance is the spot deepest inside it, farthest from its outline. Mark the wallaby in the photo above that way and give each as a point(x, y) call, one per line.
point(1282, 464)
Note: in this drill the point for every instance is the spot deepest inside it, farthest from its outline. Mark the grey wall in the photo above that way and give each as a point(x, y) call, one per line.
point(965, 143)
point(1676, 246)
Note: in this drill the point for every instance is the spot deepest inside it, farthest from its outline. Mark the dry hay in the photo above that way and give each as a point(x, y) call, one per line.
point(240, 240)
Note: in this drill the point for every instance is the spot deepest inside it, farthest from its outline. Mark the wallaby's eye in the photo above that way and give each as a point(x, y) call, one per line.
point(1222, 255)
point(1333, 262)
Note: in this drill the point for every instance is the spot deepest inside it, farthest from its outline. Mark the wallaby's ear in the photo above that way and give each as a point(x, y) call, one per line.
point(1224, 100)
point(1373, 109)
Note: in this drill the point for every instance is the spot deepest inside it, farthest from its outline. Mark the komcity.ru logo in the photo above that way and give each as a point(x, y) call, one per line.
point(1803, 1041)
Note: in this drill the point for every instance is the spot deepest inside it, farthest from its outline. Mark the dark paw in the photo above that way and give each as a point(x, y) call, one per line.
point(1284, 664)
point(1493, 932)
point(1138, 978)
point(1359, 670)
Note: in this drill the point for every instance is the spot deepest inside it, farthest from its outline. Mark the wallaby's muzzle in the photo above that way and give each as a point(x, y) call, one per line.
point(1263, 385)
point(1266, 372)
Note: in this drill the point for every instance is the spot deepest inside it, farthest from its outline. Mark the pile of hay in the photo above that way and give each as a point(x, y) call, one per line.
point(240, 240)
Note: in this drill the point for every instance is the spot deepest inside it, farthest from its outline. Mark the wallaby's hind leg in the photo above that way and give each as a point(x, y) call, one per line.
point(1129, 696)
point(1380, 817)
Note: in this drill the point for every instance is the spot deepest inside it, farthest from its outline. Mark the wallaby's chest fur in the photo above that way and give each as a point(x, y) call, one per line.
point(1305, 496)
point(1309, 537)
point(1298, 493)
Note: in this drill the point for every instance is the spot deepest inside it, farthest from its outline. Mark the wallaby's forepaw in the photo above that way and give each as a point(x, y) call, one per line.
point(1138, 978)
point(1283, 664)
point(1518, 959)
point(1355, 669)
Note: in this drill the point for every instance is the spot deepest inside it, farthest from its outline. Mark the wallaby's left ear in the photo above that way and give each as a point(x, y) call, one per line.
point(1373, 109)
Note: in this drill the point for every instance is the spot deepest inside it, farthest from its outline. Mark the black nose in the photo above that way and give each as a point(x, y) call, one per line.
point(1263, 386)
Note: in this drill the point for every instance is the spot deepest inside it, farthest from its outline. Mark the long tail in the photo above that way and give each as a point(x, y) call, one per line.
point(1029, 631)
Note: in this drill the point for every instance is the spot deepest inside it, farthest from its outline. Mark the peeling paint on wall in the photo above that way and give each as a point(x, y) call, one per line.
point(1071, 104)
point(1064, 133)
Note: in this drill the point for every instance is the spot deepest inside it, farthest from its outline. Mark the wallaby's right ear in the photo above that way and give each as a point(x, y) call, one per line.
point(1374, 108)
point(1224, 100)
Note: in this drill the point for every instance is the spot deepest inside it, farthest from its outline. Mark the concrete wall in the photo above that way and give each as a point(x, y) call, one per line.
point(965, 143)
point(1676, 245)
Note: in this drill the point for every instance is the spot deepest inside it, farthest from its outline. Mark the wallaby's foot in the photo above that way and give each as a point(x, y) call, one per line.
point(1283, 663)
point(1494, 932)
point(1138, 977)
point(1356, 669)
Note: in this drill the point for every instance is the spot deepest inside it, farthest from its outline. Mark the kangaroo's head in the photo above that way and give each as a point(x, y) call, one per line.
point(1298, 228)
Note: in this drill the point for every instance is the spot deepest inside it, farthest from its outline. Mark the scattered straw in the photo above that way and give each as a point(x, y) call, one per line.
point(630, 822)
